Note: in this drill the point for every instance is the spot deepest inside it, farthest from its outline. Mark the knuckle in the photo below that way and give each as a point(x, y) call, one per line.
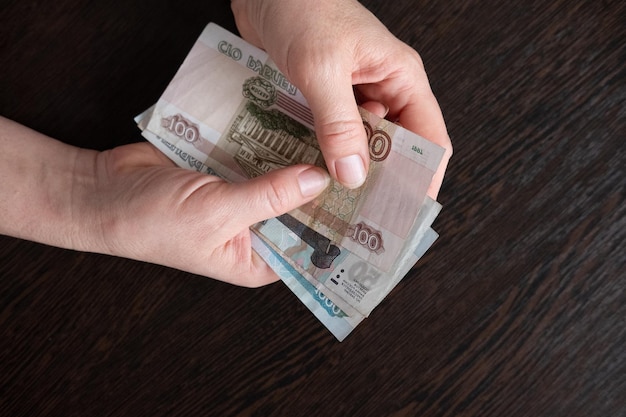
point(339, 133)
point(278, 197)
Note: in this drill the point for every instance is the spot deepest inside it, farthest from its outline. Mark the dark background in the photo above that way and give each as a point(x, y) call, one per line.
point(519, 309)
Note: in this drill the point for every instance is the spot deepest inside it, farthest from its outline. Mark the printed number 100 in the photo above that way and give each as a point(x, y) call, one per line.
point(181, 127)
point(365, 236)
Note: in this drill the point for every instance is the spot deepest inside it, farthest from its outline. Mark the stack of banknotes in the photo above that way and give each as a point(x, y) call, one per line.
point(229, 112)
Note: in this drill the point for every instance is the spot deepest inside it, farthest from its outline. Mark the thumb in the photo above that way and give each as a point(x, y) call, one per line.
point(278, 192)
point(339, 128)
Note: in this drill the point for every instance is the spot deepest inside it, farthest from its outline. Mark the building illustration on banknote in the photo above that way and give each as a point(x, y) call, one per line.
point(263, 138)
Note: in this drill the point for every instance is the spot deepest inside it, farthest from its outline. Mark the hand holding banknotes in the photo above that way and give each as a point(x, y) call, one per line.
point(132, 201)
point(325, 47)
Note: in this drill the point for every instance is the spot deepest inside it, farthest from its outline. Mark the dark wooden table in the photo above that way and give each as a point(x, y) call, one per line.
point(518, 310)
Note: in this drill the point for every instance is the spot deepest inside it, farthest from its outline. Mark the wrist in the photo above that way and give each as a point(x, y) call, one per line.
point(82, 213)
point(45, 184)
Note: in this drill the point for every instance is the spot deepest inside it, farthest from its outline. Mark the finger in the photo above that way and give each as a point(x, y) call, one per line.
point(339, 127)
point(253, 273)
point(416, 110)
point(277, 192)
point(379, 109)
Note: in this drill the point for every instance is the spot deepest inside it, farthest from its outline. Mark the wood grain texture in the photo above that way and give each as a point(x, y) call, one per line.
point(518, 310)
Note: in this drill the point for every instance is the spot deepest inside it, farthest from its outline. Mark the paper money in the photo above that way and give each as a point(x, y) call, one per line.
point(229, 111)
point(336, 320)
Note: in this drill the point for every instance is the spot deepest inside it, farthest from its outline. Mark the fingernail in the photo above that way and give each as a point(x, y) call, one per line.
point(312, 181)
point(350, 171)
point(386, 110)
